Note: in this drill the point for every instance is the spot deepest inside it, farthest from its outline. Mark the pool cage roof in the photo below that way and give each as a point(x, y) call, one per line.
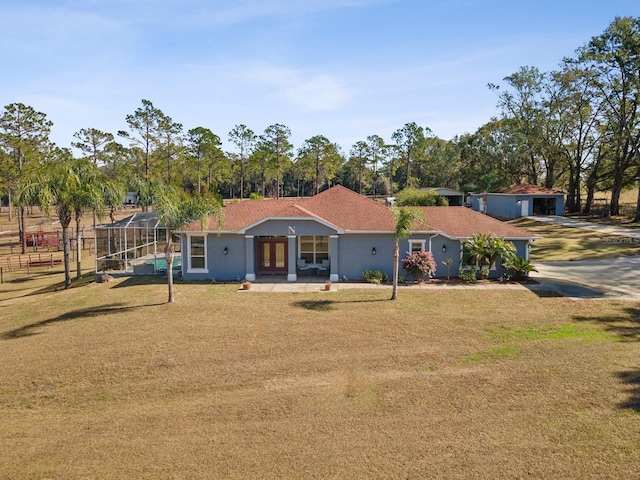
point(137, 220)
point(131, 245)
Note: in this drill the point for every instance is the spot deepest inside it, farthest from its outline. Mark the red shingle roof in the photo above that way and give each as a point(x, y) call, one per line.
point(464, 222)
point(348, 211)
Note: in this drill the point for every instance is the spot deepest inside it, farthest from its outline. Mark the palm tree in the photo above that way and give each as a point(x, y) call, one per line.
point(174, 210)
point(484, 250)
point(404, 219)
point(61, 184)
point(92, 193)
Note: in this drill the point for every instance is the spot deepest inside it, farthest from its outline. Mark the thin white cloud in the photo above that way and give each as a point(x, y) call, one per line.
point(320, 93)
point(198, 13)
point(311, 92)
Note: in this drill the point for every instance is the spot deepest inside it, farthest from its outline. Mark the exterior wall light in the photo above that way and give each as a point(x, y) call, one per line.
point(225, 251)
point(444, 249)
point(373, 251)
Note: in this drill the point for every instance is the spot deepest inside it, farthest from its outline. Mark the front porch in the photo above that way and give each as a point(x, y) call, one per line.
point(312, 258)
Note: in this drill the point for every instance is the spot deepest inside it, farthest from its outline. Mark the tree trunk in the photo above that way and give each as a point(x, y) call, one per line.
point(241, 177)
point(78, 251)
point(169, 254)
point(396, 259)
point(636, 217)
point(65, 249)
point(10, 206)
point(588, 203)
point(616, 190)
point(572, 205)
point(533, 172)
point(22, 230)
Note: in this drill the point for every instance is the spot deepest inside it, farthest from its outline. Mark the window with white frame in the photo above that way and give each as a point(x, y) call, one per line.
point(417, 246)
point(313, 248)
point(197, 249)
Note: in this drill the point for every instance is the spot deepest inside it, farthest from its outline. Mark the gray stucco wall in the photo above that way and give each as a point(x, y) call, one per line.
point(354, 255)
point(221, 267)
point(510, 206)
point(504, 206)
point(290, 227)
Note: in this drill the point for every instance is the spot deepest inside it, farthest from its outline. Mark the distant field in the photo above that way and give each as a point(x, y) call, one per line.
point(107, 381)
point(628, 201)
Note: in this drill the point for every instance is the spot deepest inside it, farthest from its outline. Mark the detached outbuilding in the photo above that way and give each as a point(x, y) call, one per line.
point(519, 201)
point(454, 197)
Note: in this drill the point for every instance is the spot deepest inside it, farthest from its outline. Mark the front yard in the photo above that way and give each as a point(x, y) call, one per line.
point(107, 381)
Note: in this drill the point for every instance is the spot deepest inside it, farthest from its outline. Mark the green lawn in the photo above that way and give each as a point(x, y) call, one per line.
point(107, 381)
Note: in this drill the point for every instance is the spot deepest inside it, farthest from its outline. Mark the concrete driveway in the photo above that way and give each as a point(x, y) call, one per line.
point(612, 278)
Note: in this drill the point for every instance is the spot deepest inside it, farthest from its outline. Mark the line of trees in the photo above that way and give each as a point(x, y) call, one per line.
point(576, 128)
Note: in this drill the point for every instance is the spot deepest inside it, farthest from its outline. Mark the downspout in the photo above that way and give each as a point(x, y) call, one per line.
point(431, 238)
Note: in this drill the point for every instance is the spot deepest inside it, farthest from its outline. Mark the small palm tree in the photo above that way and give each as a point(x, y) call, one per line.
point(175, 210)
point(484, 250)
point(521, 267)
point(404, 219)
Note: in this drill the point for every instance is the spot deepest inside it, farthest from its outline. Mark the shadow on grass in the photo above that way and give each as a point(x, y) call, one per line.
point(137, 280)
point(325, 305)
point(29, 330)
point(631, 378)
point(84, 280)
point(316, 305)
point(626, 327)
point(34, 275)
point(555, 287)
point(544, 292)
point(20, 280)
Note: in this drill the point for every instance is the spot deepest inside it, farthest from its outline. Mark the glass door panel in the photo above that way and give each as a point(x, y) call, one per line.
point(280, 255)
point(266, 255)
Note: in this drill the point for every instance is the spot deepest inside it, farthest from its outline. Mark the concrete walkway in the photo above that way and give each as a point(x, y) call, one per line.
point(290, 287)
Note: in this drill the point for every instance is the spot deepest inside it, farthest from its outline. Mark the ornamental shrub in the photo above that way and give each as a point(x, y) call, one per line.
point(375, 276)
point(419, 264)
point(469, 275)
point(412, 197)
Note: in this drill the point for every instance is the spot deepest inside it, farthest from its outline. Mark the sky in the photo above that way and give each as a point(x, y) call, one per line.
point(345, 69)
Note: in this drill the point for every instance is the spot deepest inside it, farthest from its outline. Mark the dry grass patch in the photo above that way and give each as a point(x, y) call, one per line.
point(105, 381)
point(568, 243)
point(628, 203)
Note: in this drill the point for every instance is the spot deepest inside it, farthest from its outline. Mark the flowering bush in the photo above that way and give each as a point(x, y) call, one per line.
point(419, 264)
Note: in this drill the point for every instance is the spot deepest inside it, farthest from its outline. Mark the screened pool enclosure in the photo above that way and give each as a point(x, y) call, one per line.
point(134, 246)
